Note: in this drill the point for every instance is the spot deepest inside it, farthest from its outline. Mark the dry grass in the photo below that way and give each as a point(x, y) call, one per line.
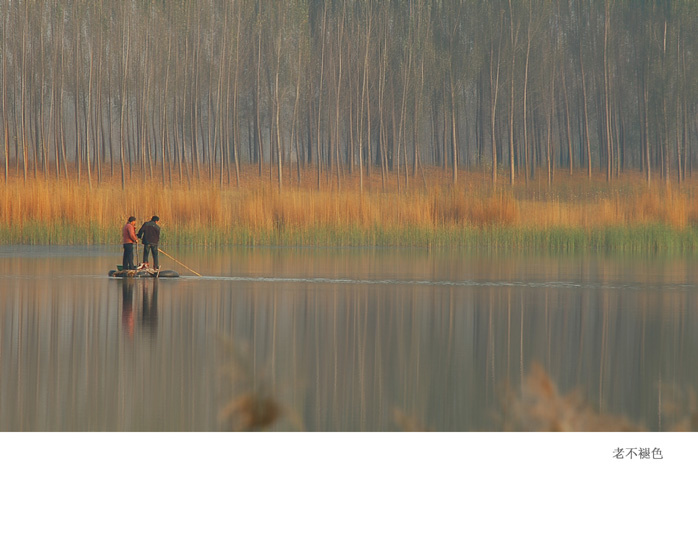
point(540, 407)
point(408, 423)
point(249, 404)
point(206, 212)
point(250, 412)
point(680, 410)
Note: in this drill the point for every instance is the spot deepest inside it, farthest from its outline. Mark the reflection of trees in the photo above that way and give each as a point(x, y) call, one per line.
point(149, 305)
point(353, 354)
point(149, 314)
point(127, 307)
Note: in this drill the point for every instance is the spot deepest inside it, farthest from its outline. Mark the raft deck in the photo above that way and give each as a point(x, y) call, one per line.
point(143, 273)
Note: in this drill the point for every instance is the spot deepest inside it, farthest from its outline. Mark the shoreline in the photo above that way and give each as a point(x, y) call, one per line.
point(647, 239)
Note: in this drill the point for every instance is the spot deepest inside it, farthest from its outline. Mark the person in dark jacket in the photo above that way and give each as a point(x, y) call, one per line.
point(129, 241)
point(149, 234)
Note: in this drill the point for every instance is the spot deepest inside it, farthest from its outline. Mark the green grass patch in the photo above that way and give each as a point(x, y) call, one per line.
point(650, 239)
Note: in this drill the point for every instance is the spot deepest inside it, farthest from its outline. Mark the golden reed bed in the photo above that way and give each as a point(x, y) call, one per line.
point(51, 210)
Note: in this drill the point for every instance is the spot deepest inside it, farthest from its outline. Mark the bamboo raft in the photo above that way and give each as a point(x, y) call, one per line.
point(143, 273)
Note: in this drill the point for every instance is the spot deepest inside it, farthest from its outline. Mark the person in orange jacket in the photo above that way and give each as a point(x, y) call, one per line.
point(129, 241)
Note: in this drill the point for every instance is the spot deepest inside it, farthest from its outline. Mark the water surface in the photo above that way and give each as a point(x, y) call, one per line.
point(338, 340)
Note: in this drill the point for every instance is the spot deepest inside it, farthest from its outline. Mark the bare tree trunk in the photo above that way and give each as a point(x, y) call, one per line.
point(350, 149)
point(416, 121)
point(210, 143)
point(679, 150)
point(454, 136)
point(665, 158)
point(277, 125)
point(50, 121)
point(109, 128)
point(17, 133)
point(381, 92)
point(607, 92)
point(195, 104)
point(567, 120)
point(131, 138)
point(514, 34)
point(218, 117)
point(402, 132)
point(142, 110)
point(99, 130)
point(163, 125)
point(369, 130)
point(225, 117)
point(258, 123)
point(236, 122)
point(25, 32)
point(183, 158)
point(125, 53)
point(5, 123)
point(648, 158)
point(338, 88)
point(78, 150)
point(43, 146)
point(319, 106)
point(59, 112)
point(685, 138)
point(549, 155)
point(494, 90)
point(586, 111)
point(88, 120)
point(294, 118)
point(525, 93)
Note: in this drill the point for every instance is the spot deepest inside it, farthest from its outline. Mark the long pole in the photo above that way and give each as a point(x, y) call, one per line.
point(179, 262)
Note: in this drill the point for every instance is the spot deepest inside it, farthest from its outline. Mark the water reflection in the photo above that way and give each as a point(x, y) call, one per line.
point(127, 318)
point(148, 317)
point(345, 341)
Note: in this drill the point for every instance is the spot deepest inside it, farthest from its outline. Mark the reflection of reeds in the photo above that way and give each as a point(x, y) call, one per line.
point(249, 405)
point(680, 410)
point(250, 412)
point(540, 407)
point(407, 423)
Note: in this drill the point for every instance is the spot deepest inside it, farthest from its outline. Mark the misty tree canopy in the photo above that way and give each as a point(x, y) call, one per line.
point(193, 89)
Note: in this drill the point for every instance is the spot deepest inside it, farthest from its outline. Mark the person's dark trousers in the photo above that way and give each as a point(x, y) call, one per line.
point(127, 262)
point(153, 248)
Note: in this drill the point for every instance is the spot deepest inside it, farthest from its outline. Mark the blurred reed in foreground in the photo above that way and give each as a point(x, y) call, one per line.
point(540, 407)
point(248, 403)
point(570, 216)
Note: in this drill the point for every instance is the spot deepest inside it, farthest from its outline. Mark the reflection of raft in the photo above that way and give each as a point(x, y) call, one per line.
point(143, 273)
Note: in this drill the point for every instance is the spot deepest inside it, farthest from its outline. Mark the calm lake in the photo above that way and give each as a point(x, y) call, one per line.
point(338, 340)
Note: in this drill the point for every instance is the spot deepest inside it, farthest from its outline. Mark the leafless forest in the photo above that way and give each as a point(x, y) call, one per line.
point(191, 90)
